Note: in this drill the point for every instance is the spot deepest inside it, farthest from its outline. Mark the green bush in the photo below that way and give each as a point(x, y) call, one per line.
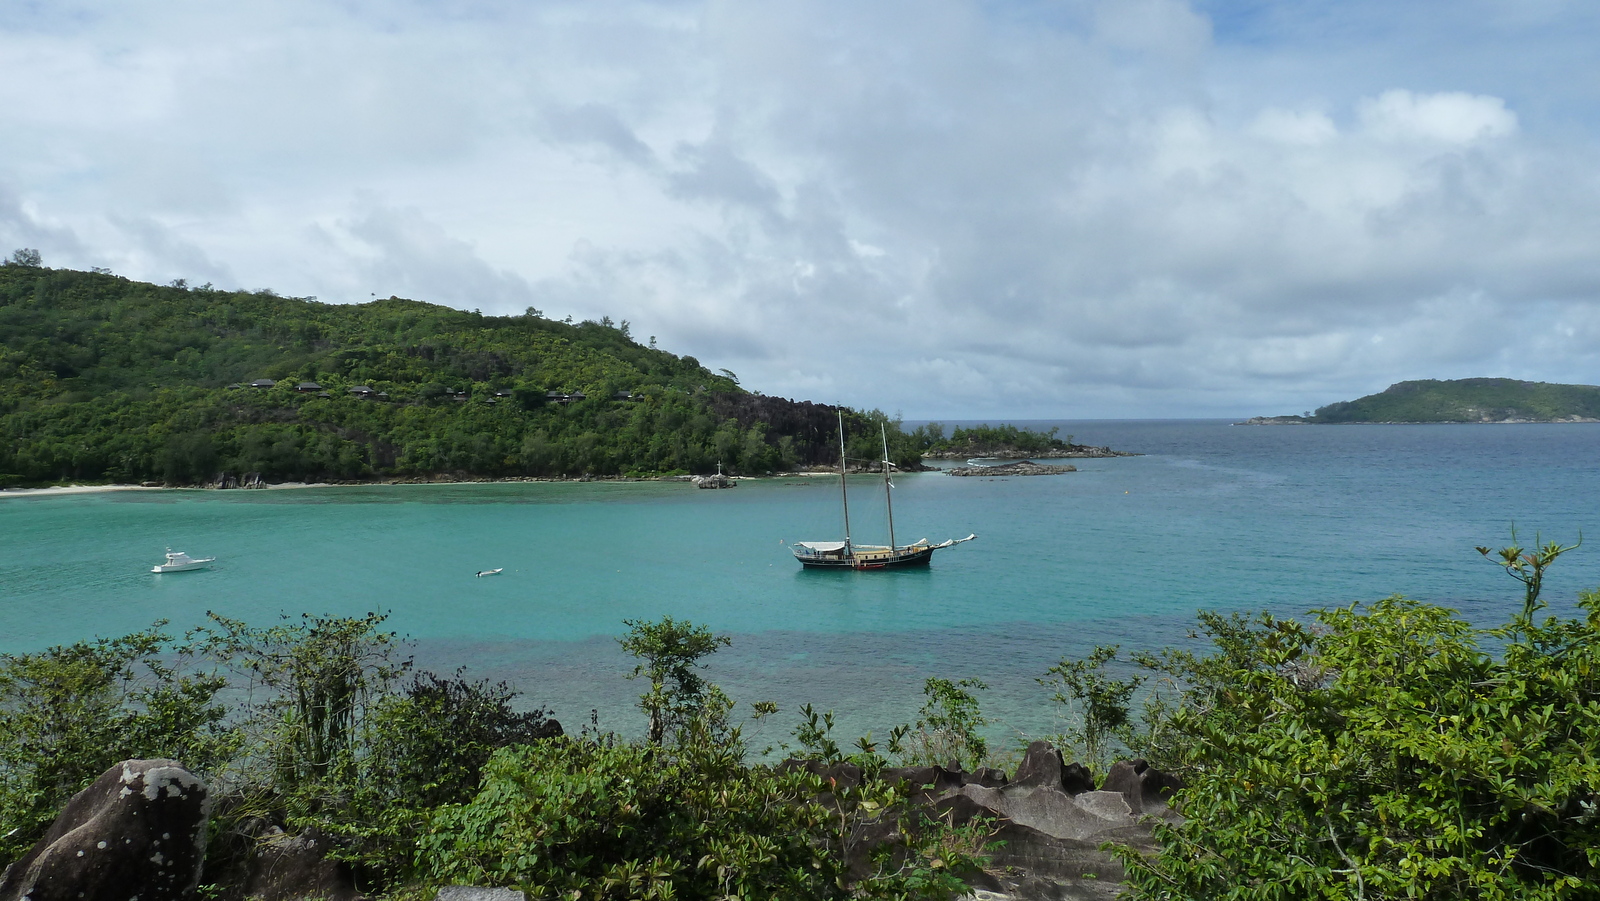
point(578, 818)
point(947, 730)
point(1388, 750)
point(67, 714)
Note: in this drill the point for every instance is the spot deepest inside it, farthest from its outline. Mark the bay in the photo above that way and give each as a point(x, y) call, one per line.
point(1213, 516)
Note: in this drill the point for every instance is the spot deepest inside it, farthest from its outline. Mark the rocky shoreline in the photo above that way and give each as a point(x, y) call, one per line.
point(1071, 451)
point(1022, 468)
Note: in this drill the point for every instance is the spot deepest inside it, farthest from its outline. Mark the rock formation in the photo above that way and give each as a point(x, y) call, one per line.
point(138, 831)
point(1049, 820)
point(1022, 468)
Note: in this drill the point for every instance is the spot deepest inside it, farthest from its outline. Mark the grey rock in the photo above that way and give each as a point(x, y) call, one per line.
point(1148, 790)
point(841, 776)
point(293, 867)
point(138, 831)
point(1042, 765)
point(986, 776)
point(478, 893)
point(1054, 812)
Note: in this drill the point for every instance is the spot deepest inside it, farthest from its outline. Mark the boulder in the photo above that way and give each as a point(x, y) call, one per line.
point(934, 779)
point(1147, 789)
point(837, 775)
point(478, 893)
point(1053, 811)
point(137, 831)
point(1076, 779)
point(292, 867)
point(1027, 850)
point(1042, 765)
point(986, 776)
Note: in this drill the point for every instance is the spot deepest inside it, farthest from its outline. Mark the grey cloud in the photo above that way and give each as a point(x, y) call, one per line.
point(20, 228)
point(401, 252)
point(714, 172)
point(162, 253)
point(598, 124)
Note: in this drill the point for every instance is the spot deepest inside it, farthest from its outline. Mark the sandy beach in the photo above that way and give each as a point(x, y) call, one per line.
point(61, 490)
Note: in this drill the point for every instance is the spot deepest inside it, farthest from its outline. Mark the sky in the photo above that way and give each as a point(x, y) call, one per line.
point(946, 209)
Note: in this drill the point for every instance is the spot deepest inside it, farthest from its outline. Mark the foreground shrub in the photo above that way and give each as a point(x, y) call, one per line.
point(68, 713)
point(569, 818)
point(1385, 752)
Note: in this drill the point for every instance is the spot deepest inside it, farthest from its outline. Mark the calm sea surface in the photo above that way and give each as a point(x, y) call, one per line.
point(1123, 551)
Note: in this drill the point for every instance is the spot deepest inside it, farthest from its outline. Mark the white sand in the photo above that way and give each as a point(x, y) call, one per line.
point(60, 490)
point(70, 489)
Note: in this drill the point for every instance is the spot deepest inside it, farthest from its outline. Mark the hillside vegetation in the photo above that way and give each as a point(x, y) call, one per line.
point(1469, 400)
point(104, 379)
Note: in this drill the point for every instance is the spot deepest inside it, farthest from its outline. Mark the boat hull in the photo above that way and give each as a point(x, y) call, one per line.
point(180, 567)
point(900, 559)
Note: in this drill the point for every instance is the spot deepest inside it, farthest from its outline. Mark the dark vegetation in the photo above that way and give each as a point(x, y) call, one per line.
point(1384, 750)
point(1002, 441)
point(984, 438)
point(103, 379)
point(1466, 400)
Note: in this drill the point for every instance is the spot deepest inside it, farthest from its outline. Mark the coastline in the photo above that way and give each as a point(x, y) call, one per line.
point(64, 490)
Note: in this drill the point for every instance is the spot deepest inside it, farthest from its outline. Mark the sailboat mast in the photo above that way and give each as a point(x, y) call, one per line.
point(844, 494)
point(888, 501)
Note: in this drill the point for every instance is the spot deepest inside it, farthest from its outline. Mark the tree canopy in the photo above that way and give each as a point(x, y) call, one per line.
point(111, 380)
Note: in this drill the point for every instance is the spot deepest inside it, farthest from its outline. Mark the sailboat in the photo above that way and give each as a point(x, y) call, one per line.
point(849, 555)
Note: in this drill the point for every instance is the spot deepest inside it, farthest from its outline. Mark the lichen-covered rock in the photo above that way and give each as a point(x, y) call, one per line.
point(138, 833)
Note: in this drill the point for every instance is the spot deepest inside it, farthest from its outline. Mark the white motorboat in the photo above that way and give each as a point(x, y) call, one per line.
point(179, 562)
point(491, 572)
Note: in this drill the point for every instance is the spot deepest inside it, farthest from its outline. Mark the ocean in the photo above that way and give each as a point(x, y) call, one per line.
point(1212, 516)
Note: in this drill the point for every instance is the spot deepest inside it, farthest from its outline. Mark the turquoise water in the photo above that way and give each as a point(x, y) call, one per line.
point(1218, 517)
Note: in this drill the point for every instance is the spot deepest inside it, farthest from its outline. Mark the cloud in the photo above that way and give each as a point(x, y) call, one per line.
point(400, 252)
point(21, 227)
point(946, 207)
point(1451, 118)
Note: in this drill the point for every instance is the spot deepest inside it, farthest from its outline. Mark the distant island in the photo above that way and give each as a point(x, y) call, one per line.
point(1458, 400)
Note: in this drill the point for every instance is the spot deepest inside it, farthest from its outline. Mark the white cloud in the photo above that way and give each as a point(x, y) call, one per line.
point(1294, 127)
point(944, 207)
point(1452, 118)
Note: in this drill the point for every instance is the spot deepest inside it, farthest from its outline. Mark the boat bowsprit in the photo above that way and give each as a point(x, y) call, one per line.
point(179, 562)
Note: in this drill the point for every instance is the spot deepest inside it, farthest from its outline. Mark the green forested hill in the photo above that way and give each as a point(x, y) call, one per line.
point(107, 379)
point(1469, 400)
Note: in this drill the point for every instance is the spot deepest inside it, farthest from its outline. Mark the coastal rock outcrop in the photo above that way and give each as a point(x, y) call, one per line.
point(1069, 452)
point(1147, 789)
point(137, 831)
point(1020, 468)
point(1048, 821)
point(1043, 765)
